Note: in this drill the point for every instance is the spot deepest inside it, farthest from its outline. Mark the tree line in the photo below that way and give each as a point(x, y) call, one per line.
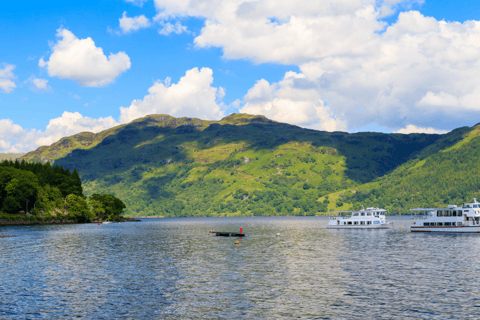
point(41, 190)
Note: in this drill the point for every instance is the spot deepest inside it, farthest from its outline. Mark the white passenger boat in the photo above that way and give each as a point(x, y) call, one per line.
point(370, 218)
point(452, 219)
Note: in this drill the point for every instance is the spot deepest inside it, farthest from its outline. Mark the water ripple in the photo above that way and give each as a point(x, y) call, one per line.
point(175, 269)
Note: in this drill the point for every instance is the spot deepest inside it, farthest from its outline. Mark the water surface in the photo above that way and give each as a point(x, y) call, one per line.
point(175, 269)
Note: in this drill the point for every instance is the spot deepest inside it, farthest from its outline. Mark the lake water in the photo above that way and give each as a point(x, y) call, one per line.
point(175, 269)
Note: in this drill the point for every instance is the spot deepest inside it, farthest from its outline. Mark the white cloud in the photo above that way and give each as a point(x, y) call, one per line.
point(414, 129)
point(6, 76)
point(71, 123)
point(9, 133)
point(137, 2)
point(192, 96)
point(168, 28)
point(14, 138)
point(441, 99)
point(83, 62)
point(364, 69)
point(133, 24)
point(38, 84)
point(287, 101)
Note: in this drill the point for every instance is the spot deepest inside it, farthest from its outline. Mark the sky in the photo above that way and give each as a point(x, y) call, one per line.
point(400, 66)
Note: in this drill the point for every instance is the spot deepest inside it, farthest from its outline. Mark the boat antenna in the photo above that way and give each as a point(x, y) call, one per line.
point(363, 208)
point(475, 200)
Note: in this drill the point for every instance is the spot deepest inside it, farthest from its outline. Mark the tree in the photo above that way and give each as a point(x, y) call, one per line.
point(78, 209)
point(49, 198)
point(106, 206)
point(10, 205)
point(17, 184)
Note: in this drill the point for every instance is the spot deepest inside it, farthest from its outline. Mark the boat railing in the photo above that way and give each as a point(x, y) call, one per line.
point(419, 217)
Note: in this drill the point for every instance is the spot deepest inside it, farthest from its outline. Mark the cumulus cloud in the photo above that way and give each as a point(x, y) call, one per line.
point(441, 99)
point(287, 101)
point(365, 70)
point(133, 24)
point(14, 138)
point(83, 62)
point(192, 96)
point(414, 129)
point(6, 76)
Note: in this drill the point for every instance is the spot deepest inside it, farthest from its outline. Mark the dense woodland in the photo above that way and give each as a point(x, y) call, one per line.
point(35, 190)
point(249, 165)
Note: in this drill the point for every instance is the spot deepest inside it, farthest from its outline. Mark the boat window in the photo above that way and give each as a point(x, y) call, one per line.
point(362, 214)
point(426, 224)
point(475, 206)
point(369, 214)
point(454, 213)
point(356, 222)
point(355, 214)
point(349, 222)
point(447, 224)
point(362, 222)
point(439, 224)
point(459, 223)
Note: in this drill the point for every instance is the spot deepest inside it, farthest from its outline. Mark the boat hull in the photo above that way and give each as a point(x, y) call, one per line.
point(375, 226)
point(456, 229)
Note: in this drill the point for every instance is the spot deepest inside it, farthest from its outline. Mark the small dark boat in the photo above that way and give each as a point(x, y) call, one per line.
point(229, 234)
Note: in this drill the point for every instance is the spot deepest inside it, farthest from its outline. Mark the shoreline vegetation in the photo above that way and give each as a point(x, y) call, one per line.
point(24, 221)
point(37, 194)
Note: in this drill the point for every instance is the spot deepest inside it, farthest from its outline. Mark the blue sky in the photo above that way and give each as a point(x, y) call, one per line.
point(349, 65)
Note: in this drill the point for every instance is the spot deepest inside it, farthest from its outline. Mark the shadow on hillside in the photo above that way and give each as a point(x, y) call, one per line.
point(368, 155)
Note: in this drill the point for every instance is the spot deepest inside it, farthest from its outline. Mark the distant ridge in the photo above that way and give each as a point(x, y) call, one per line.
point(10, 156)
point(243, 164)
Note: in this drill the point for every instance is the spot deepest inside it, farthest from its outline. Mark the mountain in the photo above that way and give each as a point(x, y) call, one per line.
point(250, 165)
point(10, 156)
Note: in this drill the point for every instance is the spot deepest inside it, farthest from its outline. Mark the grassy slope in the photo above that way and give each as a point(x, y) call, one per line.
point(241, 165)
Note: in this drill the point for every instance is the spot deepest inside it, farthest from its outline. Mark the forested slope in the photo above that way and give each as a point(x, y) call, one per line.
point(241, 165)
point(449, 176)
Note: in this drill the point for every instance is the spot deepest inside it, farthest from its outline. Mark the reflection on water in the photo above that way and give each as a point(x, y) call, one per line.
point(174, 268)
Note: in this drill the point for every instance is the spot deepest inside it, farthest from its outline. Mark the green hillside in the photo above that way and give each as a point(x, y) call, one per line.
point(451, 175)
point(248, 165)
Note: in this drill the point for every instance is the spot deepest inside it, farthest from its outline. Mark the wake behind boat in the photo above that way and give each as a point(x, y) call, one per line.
point(464, 219)
point(370, 218)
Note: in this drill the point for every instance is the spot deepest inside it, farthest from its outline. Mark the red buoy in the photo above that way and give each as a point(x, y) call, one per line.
point(99, 224)
point(210, 231)
point(240, 230)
